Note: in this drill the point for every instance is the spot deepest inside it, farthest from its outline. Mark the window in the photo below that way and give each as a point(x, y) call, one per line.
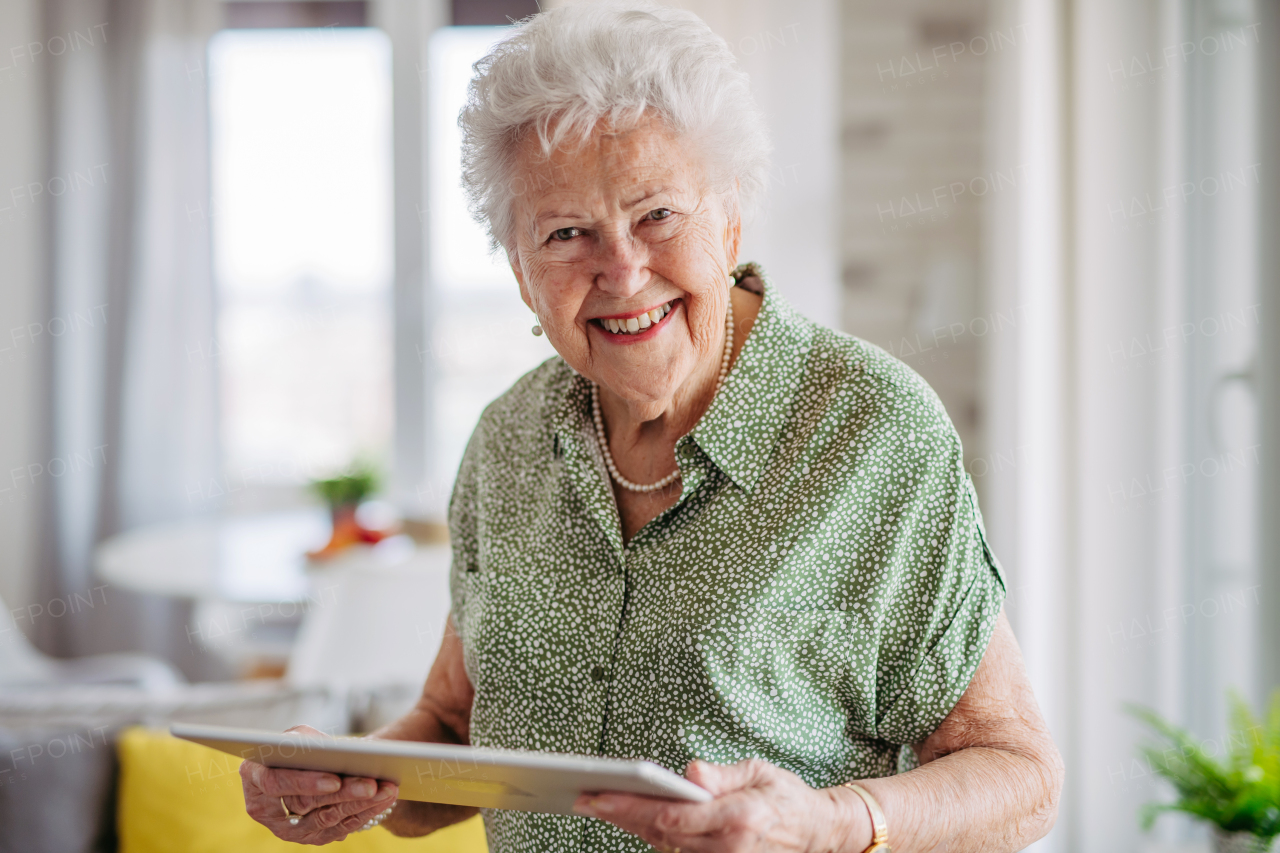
point(480, 327)
point(301, 173)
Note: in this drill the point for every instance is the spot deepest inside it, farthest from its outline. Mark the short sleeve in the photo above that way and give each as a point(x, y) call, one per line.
point(463, 533)
point(945, 606)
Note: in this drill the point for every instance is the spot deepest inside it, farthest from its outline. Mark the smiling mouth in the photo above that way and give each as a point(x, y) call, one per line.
point(637, 324)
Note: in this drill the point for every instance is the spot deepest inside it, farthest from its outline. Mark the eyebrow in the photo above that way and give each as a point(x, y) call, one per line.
point(648, 195)
point(556, 214)
point(563, 213)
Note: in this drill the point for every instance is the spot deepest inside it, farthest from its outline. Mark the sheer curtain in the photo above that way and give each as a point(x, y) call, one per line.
point(131, 402)
point(1126, 523)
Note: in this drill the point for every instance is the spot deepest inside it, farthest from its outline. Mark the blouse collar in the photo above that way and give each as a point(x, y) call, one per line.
point(745, 420)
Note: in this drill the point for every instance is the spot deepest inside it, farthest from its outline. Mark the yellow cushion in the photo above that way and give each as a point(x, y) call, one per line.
point(179, 796)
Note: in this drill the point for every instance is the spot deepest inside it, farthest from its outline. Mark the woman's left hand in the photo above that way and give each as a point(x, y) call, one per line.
point(757, 807)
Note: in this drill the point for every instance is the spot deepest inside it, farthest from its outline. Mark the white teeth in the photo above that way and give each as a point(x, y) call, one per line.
point(638, 323)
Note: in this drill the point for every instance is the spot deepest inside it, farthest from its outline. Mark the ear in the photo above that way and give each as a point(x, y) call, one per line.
point(513, 258)
point(733, 240)
point(733, 227)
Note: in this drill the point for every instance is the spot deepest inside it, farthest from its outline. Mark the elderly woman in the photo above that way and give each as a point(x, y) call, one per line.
point(710, 533)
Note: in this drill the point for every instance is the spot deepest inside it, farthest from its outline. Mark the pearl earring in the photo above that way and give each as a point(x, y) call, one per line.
point(733, 282)
point(537, 330)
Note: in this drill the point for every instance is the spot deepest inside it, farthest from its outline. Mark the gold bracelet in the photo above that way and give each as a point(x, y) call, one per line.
point(879, 826)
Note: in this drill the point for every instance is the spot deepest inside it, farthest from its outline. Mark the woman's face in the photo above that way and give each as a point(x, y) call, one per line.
point(623, 229)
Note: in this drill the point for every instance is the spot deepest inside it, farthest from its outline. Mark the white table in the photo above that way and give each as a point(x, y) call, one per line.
point(252, 558)
point(371, 616)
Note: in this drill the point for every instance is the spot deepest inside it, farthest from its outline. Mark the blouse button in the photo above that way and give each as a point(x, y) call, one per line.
point(597, 673)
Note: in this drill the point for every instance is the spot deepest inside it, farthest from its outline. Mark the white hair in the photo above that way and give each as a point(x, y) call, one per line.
point(562, 71)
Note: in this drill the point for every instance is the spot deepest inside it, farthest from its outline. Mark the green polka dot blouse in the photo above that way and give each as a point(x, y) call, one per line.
point(819, 597)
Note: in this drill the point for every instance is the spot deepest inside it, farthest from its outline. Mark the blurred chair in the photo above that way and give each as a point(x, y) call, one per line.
point(59, 721)
point(376, 629)
point(179, 796)
point(23, 665)
point(58, 748)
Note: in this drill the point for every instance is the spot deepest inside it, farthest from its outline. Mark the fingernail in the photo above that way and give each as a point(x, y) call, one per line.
point(583, 809)
point(363, 789)
point(601, 806)
point(329, 786)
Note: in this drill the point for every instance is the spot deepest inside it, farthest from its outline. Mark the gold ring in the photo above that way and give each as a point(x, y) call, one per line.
point(293, 818)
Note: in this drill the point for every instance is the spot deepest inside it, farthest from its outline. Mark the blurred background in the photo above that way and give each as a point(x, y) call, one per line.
point(244, 315)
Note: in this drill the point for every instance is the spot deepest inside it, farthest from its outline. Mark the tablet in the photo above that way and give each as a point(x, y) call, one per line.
point(447, 773)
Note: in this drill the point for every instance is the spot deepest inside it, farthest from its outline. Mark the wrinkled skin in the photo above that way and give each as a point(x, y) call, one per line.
point(332, 806)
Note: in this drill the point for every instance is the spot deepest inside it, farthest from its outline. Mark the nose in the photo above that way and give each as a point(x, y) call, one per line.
point(622, 263)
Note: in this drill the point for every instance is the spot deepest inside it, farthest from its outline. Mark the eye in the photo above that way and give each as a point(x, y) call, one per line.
point(562, 234)
point(659, 214)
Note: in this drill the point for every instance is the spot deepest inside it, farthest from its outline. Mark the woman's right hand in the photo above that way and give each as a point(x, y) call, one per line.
point(330, 807)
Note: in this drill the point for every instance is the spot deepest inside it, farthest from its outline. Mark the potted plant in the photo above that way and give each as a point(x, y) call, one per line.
point(1235, 787)
point(343, 493)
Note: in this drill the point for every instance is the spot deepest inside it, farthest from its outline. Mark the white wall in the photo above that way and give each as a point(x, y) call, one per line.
point(21, 303)
point(791, 51)
point(913, 187)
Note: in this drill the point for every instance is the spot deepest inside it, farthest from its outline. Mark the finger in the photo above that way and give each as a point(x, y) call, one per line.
point(283, 783)
point(341, 830)
point(640, 815)
point(358, 820)
point(738, 821)
point(340, 814)
point(354, 788)
point(722, 778)
point(664, 824)
point(329, 824)
point(305, 730)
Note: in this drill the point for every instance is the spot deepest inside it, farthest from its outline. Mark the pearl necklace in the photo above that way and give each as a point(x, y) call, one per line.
point(604, 439)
